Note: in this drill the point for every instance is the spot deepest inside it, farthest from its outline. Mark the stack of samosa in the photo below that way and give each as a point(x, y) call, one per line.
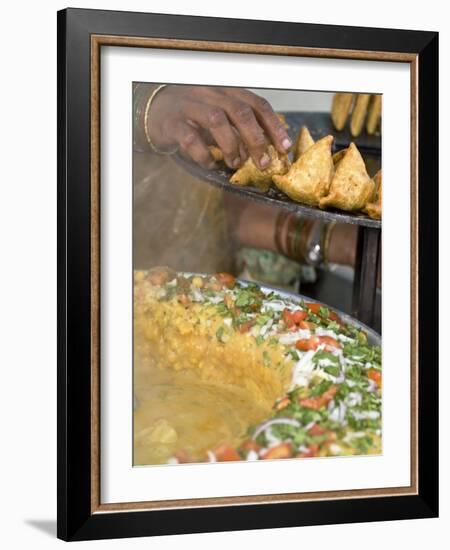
point(360, 108)
point(318, 178)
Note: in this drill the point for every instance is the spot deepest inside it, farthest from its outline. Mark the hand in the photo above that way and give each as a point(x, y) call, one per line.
point(236, 119)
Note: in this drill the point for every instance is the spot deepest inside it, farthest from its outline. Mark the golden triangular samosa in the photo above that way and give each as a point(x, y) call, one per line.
point(359, 114)
point(342, 103)
point(249, 174)
point(374, 208)
point(303, 143)
point(374, 114)
point(338, 156)
point(351, 187)
point(309, 178)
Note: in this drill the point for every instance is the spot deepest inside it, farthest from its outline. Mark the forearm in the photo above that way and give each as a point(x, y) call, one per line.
point(262, 226)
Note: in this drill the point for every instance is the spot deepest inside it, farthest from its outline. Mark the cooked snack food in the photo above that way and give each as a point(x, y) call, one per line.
point(374, 114)
point(303, 142)
point(338, 156)
point(249, 174)
point(359, 114)
point(351, 187)
point(373, 209)
point(309, 178)
point(340, 109)
point(315, 378)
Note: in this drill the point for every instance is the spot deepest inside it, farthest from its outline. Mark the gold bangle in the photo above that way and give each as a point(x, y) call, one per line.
point(326, 242)
point(146, 121)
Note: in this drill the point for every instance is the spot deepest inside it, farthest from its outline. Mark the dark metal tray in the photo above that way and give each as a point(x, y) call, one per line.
point(316, 125)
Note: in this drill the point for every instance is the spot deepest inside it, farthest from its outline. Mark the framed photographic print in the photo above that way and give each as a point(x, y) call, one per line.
point(247, 255)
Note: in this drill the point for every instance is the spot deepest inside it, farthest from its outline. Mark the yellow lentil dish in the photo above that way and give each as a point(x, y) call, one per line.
point(226, 370)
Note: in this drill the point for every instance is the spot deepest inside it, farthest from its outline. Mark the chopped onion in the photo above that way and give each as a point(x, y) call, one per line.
point(265, 425)
point(365, 415)
point(252, 455)
point(302, 370)
point(292, 337)
point(215, 299)
point(211, 456)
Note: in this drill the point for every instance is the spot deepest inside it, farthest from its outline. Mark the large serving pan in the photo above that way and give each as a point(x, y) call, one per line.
point(318, 127)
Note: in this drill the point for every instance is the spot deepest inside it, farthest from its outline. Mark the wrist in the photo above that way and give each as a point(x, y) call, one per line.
point(153, 123)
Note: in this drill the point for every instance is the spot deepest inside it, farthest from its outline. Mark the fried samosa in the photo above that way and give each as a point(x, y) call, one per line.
point(359, 114)
point(303, 142)
point(337, 157)
point(351, 187)
point(342, 103)
point(374, 114)
point(373, 209)
point(309, 178)
point(249, 174)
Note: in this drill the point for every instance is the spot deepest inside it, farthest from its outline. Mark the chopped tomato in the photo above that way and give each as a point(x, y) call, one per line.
point(182, 456)
point(288, 318)
point(283, 403)
point(313, 342)
point(319, 401)
point(375, 375)
point(245, 327)
point(225, 453)
point(307, 344)
point(307, 325)
point(226, 279)
point(332, 315)
point(299, 316)
point(292, 318)
point(184, 300)
point(330, 343)
point(313, 307)
point(312, 450)
point(283, 450)
point(250, 445)
point(317, 430)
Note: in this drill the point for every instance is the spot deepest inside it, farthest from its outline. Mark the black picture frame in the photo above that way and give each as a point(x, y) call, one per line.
point(76, 519)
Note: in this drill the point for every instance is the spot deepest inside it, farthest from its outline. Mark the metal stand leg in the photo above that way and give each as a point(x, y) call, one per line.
point(366, 270)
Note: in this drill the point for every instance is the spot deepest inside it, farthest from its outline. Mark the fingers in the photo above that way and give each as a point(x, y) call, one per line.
point(214, 119)
point(266, 116)
point(251, 133)
point(192, 144)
